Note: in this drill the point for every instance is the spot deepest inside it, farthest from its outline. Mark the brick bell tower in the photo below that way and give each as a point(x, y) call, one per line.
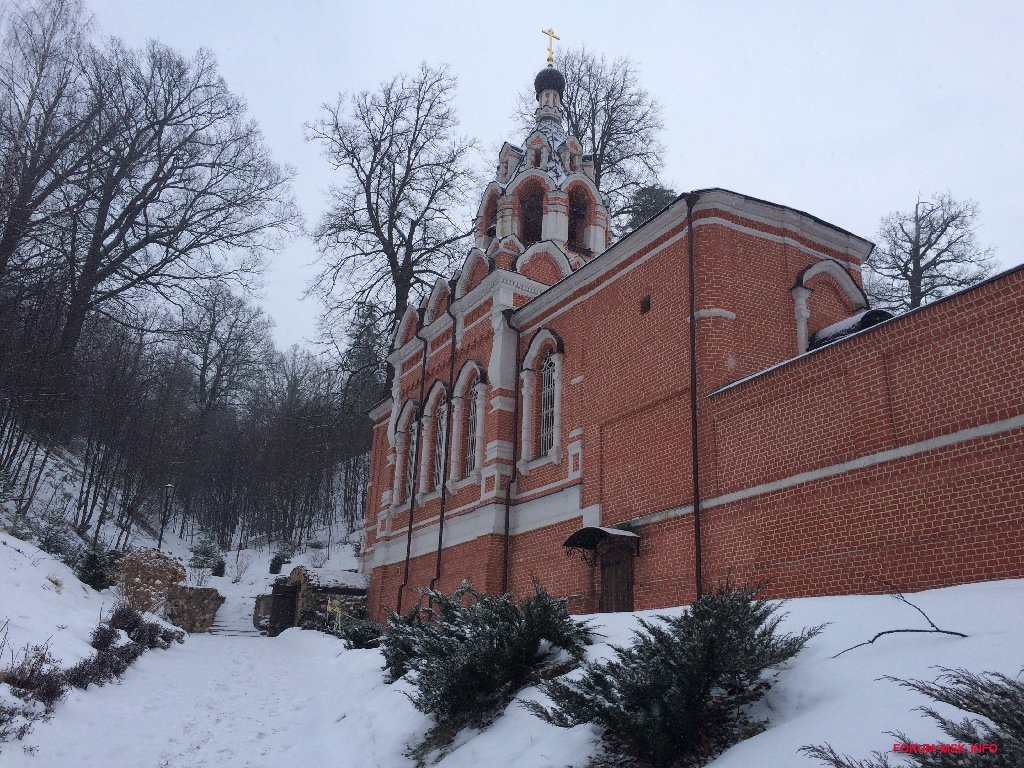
point(544, 191)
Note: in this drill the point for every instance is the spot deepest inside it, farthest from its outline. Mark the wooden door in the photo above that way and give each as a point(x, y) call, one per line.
point(617, 580)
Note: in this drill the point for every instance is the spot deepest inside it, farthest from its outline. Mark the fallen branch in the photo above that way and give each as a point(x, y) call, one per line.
point(902, 598)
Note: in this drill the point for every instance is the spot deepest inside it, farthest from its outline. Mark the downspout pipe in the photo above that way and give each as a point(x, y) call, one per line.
point(447, 439)
point(515, 455)
point(691, 200)
point(418, 422)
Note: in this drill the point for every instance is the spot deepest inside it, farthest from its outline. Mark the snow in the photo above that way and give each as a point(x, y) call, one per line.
point(43, 602)
point(301, 699)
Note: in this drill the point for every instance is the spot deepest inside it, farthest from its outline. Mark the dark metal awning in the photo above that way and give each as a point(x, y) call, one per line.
point(591, 536)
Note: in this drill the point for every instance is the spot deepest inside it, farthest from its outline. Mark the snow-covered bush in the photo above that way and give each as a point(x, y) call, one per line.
point(398, 645)
point(359, 633)
point(94, 569)
point(477, 651)
point(145, 576)
point(35, 676)
point(276, 562)
point(241, 567)
point(681, 692)
point(219, 567)
point(317, 557)
point(119, 641)
point(993, 696)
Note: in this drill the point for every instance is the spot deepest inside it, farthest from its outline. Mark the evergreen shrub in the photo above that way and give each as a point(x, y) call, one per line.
point(94, 569)
point(994, 704)
point(205, 553)
point(276, 562)
point(360, 633)
point(475, 651)
point(219, 567)
point(681, 692)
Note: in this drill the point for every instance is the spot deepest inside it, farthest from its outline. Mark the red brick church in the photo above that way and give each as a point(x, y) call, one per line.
point(555, 413)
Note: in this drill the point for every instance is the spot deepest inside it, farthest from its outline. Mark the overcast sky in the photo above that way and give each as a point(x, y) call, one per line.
point(845, 111)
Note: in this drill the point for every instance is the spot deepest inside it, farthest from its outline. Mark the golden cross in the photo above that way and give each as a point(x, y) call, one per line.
point(551, 41)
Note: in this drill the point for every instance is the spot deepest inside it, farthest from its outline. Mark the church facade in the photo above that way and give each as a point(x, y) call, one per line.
point(552, 407)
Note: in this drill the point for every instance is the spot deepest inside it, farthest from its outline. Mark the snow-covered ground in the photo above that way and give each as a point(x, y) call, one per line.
point(301, 699)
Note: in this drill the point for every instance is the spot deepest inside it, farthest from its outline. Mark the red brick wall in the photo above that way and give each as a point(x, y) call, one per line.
point(950, 515)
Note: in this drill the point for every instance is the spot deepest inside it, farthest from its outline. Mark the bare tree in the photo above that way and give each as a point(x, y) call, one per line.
point(179, 187)
point(617, 120)
point(397, 218)
point(926, 254)
point(44, 116)
point(226, 341)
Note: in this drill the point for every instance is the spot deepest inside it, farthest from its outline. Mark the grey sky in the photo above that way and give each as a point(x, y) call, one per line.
point(845, 111)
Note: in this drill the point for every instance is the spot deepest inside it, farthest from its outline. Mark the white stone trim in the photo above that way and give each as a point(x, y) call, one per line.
point(576, 380)
point(499, 449)
point(801, 295)
point(526, 419)
point(503, 403)
point(714, 312)
point(548, 248)
point(486, 519)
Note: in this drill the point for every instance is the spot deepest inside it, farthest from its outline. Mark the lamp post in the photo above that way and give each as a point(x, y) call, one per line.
point(165, 515)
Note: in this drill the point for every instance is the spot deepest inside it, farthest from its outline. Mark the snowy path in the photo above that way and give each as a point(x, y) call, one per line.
point(218, 701)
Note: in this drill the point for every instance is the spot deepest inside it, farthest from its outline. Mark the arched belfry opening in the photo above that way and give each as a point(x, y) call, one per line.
point(531, 212)
point(580, 215)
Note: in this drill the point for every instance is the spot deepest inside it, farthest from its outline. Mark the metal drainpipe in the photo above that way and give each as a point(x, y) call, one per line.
point(507, 313)
point(418, 421)
point(447, 439)
point(691, 200)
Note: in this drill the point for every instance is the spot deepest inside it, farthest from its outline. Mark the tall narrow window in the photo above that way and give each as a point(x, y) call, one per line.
point(440, 431)
point(410, 460)
point(547, 403)
point(472, 409)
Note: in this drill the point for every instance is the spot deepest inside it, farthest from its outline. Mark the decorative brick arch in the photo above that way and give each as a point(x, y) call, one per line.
point(472, 376)
point(544, 263)
point(487, 214)
point(543, 343)
point(406, 328)
point(839, 278)
point(438, 301)
point(474, 269)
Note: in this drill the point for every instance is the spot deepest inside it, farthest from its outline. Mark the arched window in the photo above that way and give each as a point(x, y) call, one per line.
point(531, 207)
point(440, 431)
point(472, 411)
point(579, 213)
point(547, 403)
point(410, 458)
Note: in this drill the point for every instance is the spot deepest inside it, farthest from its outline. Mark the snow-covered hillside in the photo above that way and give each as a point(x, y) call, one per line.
point(43, 602)
point(301, 699)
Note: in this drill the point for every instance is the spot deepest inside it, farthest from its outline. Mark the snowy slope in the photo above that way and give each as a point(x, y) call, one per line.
point(43, 602)
point(301, 699)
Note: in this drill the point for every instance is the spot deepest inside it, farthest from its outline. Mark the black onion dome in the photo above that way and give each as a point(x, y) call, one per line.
point(549, 79)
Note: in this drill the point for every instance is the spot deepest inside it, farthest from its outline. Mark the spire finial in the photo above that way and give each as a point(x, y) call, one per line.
point(551, 43)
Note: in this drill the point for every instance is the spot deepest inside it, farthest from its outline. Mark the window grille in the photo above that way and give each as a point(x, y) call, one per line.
point(471, 437)
point(440, 423)
point(547, 403)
